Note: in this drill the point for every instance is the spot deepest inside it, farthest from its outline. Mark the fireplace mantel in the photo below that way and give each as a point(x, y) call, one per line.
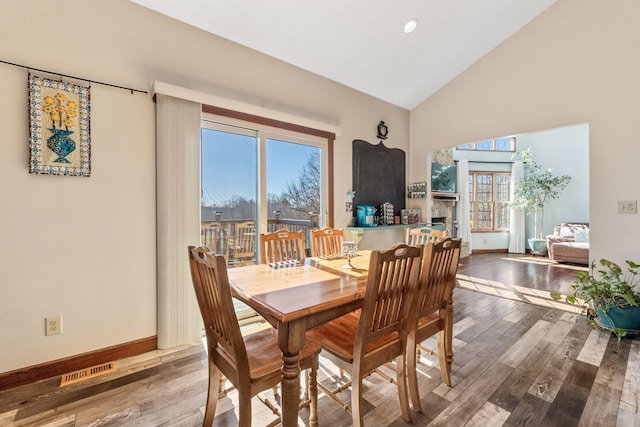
point(445, 197)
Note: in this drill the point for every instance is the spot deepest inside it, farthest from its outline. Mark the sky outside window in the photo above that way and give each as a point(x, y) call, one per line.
point(230, 166)
point(284, 163)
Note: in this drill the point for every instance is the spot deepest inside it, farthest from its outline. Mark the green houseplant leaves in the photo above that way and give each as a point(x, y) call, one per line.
point(536, 188)
point(604, 288)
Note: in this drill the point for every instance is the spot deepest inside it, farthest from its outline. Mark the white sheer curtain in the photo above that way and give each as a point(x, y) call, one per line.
point(462, 213)
point(516, 227)
point(178, 217)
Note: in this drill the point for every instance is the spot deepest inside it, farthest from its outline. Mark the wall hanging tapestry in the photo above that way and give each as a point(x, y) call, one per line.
point(59, 138)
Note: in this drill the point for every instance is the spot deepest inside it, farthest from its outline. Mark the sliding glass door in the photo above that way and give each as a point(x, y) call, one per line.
point(255, 181)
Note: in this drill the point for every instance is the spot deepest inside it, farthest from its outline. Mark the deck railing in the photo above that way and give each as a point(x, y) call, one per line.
point(231, 238)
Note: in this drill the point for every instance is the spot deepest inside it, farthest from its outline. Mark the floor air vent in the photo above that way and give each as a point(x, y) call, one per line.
point(85, 374)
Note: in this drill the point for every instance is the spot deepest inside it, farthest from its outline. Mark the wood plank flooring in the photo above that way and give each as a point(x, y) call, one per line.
point(518, 361)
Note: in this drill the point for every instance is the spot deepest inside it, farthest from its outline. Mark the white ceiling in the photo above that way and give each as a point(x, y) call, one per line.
point(361, 43)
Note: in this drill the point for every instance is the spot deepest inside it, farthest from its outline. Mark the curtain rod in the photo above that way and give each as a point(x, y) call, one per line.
point(74, 77)
point(484, 161)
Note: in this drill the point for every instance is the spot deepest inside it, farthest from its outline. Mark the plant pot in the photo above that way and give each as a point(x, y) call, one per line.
point(538, 246)
point(627, 318)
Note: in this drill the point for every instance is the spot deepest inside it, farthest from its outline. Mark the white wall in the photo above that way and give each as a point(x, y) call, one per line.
point(578, 62)
point(86, 247)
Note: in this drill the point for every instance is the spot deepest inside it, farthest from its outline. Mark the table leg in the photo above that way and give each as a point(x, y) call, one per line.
point(291, 337)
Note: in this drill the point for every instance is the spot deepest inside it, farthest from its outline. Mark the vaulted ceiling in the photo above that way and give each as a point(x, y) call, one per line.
point(361, 43)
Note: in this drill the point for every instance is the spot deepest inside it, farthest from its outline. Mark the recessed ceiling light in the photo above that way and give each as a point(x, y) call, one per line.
point(411, 25)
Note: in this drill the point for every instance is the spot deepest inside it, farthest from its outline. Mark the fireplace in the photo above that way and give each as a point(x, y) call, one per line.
point(444, 212)
point(451, 231)
point(439, 220)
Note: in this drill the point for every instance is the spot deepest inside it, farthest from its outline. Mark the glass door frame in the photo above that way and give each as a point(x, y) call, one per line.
point(262, 161)
point(277, 124)
point(247, 124)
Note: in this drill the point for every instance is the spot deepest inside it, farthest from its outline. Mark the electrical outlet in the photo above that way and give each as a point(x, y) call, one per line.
point(627, 206)
point(53, 325)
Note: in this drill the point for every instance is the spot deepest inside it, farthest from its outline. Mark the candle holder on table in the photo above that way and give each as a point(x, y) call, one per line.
point(349, 250)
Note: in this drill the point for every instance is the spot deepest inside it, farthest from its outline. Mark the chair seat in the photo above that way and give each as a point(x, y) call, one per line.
point(339, 336)
point(265, 356)
point(429, 325)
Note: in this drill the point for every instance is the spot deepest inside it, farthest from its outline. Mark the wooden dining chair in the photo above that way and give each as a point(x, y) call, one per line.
point(327, 241)
point(282, 247)
point(242, 248)
point(252, 363)
point(423, 235)
point(362, 341)
point(435, 311)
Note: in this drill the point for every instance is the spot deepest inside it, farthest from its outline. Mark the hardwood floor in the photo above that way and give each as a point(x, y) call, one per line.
point(519, 360)
point(515, 270)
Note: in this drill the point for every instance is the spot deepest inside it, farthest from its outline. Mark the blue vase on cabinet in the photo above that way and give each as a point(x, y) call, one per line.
point(60, 143)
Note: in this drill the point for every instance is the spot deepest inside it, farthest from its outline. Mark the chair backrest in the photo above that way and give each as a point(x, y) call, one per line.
point(327, 241)
point(244, 238)
point(282, 246)
point(438, 277)
point(392, 285)
point(423, 235)
point(224, 338)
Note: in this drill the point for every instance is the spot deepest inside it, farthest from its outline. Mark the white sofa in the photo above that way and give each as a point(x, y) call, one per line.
point(569, 243)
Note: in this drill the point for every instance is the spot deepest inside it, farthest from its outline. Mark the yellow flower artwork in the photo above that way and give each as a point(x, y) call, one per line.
point(59, 128)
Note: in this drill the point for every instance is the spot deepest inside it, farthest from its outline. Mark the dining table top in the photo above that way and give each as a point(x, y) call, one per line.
point(286, 292)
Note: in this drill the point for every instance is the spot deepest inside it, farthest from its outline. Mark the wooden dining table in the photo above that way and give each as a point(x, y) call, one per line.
point(296, 297)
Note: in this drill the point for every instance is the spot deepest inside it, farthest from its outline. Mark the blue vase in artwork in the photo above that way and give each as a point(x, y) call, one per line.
point(60, 143)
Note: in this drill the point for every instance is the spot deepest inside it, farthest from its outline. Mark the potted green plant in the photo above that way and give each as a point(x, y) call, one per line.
point(533, 191)
point(610, 295)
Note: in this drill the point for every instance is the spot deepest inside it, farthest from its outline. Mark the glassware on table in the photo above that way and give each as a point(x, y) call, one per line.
point(349, 250)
